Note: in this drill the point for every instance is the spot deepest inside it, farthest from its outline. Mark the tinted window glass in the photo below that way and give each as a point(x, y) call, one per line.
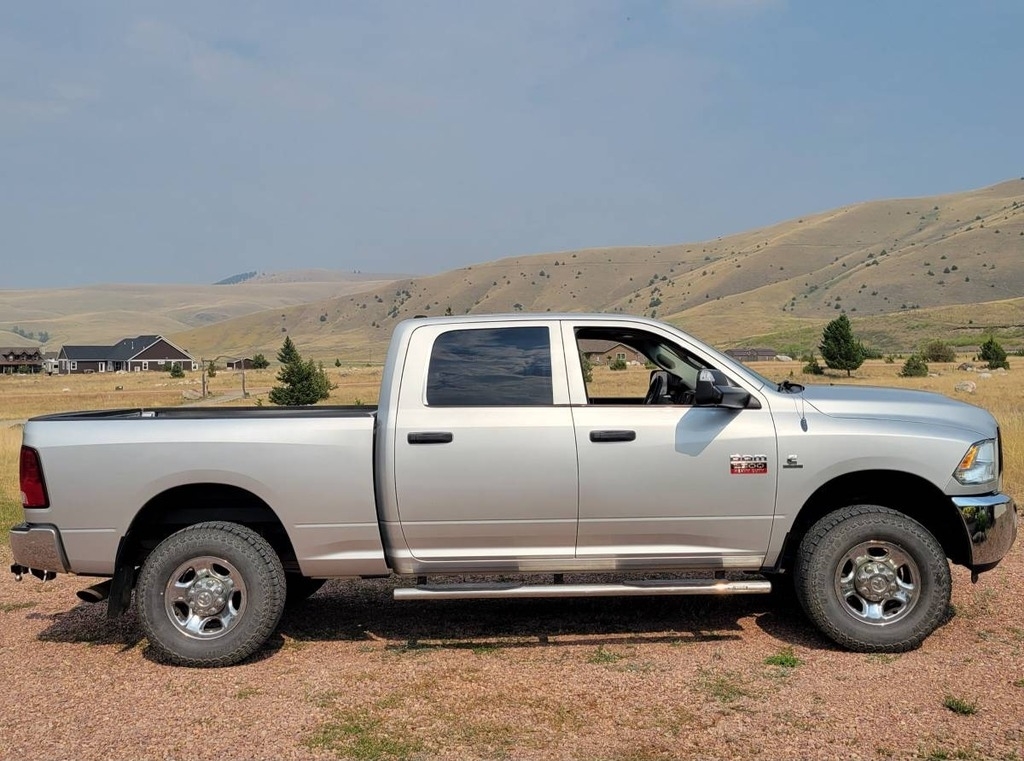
point(493, 367)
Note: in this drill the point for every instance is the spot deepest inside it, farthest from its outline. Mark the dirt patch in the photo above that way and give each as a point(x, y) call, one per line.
point(353, 674)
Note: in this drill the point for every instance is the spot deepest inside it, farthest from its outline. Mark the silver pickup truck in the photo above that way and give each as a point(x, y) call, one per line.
point(491, 454)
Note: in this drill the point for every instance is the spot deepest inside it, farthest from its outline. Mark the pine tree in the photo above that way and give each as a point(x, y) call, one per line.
point(588, 368)
point(993, 353)
point(302, 381)
point(840, 350)
point(914, 367)
point(288, 353)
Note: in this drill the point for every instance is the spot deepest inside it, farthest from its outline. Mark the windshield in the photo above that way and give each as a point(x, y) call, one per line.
point(756, 374)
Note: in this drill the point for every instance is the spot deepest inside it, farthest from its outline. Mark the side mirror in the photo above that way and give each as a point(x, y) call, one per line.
point(713, 390)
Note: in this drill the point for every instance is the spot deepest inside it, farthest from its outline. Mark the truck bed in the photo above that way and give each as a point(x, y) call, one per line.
point(215, 413)
point(311, 467)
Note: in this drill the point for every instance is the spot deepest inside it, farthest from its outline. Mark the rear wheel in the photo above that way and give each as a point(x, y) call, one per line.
point(873, 579)
point(210, 594)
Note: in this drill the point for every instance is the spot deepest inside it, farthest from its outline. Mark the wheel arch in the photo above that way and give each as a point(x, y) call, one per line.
point(181, 506)
point(888, 488)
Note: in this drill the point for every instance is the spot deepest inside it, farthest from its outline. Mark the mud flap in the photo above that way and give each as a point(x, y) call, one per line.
point(121, 591)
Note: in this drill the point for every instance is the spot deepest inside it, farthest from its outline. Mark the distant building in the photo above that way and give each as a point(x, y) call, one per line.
point(20, 359)
point(752, 355)
point(139, 354)
point(50, 362)
point(601, 352)
point(245, 363)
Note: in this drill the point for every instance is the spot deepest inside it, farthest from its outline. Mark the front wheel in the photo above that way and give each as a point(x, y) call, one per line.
point(210, 594)
point(872, 579)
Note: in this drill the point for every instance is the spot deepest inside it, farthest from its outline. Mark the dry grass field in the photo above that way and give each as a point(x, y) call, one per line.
point(354, 675)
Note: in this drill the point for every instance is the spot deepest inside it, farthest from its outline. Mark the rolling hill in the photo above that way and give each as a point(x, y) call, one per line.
point(904, 270)
point(106, 313)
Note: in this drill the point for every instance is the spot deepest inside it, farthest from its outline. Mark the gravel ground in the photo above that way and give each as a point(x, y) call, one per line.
point(353, 674)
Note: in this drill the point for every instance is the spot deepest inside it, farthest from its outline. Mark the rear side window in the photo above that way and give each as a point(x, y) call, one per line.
point(491, 367)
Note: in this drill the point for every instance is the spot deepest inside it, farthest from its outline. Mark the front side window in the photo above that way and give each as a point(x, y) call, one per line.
point(664, 363)
point(491, 367)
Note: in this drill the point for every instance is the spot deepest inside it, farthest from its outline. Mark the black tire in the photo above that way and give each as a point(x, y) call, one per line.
point(210, 595)
point(301, 588)
point(872, 579)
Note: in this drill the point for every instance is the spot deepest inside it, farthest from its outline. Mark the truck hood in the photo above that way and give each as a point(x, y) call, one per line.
point(899, 404)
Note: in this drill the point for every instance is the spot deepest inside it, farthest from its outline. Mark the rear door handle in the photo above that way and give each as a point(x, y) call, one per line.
point(613, 435)
point(431, 437)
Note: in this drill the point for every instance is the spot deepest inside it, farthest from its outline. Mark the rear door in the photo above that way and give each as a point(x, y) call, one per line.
point(485, 451)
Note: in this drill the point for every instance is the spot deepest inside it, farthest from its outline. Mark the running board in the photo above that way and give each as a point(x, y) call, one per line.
point(640, 588)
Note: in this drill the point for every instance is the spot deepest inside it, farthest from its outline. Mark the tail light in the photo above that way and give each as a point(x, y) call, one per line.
point(33, 488)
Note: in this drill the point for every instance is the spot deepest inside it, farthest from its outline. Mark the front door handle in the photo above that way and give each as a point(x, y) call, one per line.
point(431, 437)
point(613, 435)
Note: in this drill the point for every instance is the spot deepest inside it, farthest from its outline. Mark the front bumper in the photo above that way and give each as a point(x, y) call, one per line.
point(37, 549)
point(991, 522)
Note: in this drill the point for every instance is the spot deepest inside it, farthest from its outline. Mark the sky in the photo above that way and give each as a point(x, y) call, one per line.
point(185, 142)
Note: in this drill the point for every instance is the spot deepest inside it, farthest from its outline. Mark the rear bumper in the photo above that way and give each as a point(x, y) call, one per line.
point(991, 522)
point(38, 547)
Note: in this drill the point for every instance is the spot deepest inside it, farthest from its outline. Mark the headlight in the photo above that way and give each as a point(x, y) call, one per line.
point(978, 466)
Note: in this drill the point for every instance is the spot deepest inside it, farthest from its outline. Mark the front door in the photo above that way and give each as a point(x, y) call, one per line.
point(696, 483)
point(665, 480)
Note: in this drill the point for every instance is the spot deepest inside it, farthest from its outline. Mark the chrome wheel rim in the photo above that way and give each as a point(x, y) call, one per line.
point(878, 583)
point(205, 597)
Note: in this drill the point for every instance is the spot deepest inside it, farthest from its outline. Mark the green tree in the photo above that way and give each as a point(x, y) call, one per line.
point(260, 362)
point(914, 367)
point(617, 364)
point(939, 351)
point(588, 368)
point(840, 350)
point(813, 367)
point(176, 370)
point(211, 369)
point(994, 354)
point(302, 381)
point(288, 353)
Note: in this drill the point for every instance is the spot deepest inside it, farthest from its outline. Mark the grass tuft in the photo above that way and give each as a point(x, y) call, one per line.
point(784, 658)
point(723, 686)
point(10, 607)
point(960, 706)
point(602, 656)
point(355, 735)
point(883, 657)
